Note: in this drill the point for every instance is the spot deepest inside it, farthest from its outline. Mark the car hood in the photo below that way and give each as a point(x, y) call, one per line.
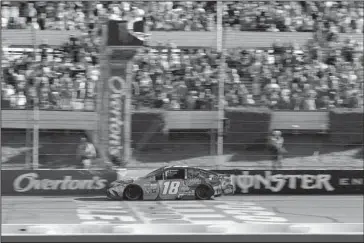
point(125, 180)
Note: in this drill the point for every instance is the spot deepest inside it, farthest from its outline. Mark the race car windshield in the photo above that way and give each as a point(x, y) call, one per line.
point(154, 172)
point(207, 173)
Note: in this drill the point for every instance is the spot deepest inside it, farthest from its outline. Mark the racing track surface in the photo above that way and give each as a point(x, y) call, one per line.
point(248, 209)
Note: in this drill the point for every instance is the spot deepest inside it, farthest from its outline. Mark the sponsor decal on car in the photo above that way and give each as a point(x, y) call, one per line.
point(184, 189)
point(150, 188)
point(229, 190)
point(192, 182)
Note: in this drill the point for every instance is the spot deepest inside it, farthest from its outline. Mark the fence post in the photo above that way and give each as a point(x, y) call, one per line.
point(101, 100)
point(28, 135)
point(221, 95)
point(30, 112)
point(36, 135)
point(35, 154)
point(1, 92)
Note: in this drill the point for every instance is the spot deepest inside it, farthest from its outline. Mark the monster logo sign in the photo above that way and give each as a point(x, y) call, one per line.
point(279, 182)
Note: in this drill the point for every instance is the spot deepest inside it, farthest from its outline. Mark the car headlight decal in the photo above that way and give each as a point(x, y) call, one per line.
point(113, 192)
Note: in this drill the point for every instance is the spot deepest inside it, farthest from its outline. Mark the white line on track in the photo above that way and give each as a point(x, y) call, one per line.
point(189, 210)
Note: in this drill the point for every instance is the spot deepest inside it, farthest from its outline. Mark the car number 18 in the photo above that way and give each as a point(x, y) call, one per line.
point(171, 187)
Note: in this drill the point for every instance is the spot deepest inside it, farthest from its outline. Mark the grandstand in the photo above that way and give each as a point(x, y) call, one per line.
point(298, 75)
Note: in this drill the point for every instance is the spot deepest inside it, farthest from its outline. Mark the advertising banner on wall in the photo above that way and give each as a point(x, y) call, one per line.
point(297, 181)
point(56, 182)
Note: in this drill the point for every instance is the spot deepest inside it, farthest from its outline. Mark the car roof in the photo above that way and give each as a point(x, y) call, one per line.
point(183, 167)
point(179, 167)
point(188, 167)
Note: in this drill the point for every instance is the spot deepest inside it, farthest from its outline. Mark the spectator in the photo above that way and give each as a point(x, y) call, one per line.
point(276, 146)
point(285, 102)
point(86, 152)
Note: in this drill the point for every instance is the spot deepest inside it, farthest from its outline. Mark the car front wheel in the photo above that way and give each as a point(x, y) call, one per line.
point(133, 193)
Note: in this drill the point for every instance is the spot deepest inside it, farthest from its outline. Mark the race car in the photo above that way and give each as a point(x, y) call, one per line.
point(171, 183)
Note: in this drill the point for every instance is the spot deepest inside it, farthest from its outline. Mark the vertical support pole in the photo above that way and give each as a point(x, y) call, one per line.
point(212, 135)
point(28, 136)
point(36, 135)
point(1, 93)
point(35, 155)
point(29, 113)
point(102, 99)
point(221, 95)
point(35, 119)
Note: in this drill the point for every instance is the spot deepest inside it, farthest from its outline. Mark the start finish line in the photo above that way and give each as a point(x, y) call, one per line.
point(184, 229)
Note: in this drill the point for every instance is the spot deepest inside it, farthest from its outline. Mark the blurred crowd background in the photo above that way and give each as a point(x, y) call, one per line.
point(322, 74)
point(292, 16)
point(343, 17)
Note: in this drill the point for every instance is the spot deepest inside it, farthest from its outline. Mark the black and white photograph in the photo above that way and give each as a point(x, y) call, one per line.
point(182, 121)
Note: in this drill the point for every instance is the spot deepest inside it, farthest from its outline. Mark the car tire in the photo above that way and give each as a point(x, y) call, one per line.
point(133, 193)
point(204, 192)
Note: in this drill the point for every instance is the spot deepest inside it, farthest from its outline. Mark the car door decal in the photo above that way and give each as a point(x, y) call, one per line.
point(171, 187)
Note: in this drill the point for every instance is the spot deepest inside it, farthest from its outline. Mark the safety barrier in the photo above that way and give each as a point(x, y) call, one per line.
point(247, 126)
point(179, 38)
point(56, 182)
point(147, 129)
point(290, 182)
point(166, 229)
point(346, 126)
point(94, 182)
point(283, 120)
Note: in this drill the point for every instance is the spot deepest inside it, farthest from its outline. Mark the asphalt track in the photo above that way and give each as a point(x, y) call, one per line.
point(243, 209)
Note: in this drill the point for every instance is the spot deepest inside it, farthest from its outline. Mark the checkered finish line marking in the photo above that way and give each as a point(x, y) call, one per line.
point(176, 212)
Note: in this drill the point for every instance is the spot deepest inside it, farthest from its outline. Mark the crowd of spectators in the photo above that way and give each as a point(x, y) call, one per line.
point(177, 79)
point(64, 78)
point(159, 16)
point(323, 74)
point(301, 78)
point(295, 16)
point(280, 16)
point(285, 77)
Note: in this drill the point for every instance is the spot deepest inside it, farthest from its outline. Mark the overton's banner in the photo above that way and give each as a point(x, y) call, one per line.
point(56, 182)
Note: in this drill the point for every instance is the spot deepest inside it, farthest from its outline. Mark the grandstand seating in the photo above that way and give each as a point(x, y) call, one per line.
point(315, 69)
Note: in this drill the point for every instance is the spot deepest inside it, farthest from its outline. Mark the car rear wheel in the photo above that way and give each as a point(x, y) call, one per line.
point(204, 192)
point(133, 193)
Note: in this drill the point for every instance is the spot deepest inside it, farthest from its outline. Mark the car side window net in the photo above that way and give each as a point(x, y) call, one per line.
point(191, 173)
point(175, 174)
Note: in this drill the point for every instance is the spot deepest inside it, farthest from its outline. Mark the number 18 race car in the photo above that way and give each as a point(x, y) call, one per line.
point(172, 182)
